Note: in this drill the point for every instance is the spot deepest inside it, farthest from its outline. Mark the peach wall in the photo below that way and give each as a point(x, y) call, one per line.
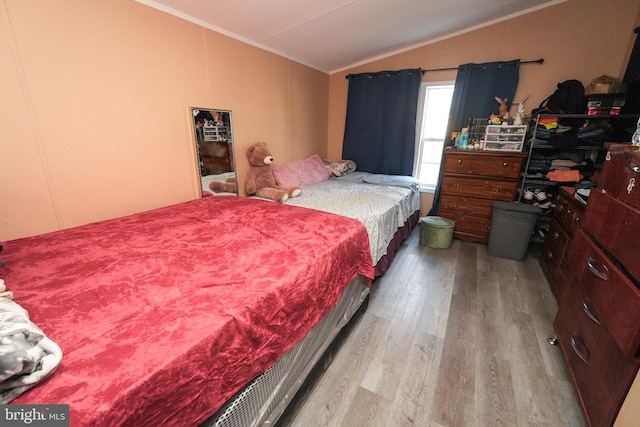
point(579, 39)
point(96, 97)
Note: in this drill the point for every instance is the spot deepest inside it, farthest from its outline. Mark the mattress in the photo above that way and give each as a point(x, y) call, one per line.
point(382, 203)
point(164, 315)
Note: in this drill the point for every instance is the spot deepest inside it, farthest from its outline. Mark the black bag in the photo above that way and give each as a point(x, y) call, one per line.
point(569, 98)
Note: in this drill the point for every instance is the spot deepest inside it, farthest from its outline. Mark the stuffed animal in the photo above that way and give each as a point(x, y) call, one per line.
point(519, 120)
point(503, 109)
point(229, 186)
point(261, 181)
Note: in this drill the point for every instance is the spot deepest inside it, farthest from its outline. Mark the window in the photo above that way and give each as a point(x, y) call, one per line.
point(435, 99)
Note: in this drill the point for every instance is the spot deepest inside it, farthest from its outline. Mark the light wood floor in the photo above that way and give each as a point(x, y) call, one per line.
point(451, 337)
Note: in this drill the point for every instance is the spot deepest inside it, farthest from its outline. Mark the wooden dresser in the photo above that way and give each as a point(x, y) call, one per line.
point(598, 320)
point(567, 216)
point(215, 157)
point(472, 181)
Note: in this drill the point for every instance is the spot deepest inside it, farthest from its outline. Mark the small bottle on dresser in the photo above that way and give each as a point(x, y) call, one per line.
point(464, 139)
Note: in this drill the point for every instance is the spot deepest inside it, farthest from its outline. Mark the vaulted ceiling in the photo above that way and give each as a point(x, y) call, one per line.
point(331, 35)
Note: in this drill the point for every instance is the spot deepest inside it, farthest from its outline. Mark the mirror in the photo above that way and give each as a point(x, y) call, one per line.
point(213, 134)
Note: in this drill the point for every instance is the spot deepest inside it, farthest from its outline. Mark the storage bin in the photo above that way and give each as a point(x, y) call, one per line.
point(511, 228)
point(436, 232)
point(504, 138)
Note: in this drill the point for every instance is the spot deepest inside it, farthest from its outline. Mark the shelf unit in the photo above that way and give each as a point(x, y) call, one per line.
point(596, 152)
point(216, 133)
point(587, 148)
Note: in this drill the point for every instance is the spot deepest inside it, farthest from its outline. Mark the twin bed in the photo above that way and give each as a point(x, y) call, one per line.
point(210, 312)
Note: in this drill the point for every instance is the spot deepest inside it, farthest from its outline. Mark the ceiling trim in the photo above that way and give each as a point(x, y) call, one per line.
point(201, 23)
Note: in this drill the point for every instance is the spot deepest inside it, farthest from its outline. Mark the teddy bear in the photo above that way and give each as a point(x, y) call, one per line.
point(229, 186)
point(261, 181)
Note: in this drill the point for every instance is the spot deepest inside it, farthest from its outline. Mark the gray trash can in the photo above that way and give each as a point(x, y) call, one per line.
point(511, 227)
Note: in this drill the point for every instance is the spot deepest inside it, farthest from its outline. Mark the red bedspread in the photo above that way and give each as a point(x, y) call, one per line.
point(163, 315)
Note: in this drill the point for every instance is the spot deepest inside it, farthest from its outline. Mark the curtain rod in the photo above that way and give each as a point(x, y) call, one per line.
point(537, 61)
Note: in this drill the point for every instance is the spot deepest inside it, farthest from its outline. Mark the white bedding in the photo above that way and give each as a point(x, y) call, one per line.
point(222, 177)
point(27, 356)
point(382, 207)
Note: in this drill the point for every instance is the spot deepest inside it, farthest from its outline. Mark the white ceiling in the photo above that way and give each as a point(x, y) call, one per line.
point(332, 35)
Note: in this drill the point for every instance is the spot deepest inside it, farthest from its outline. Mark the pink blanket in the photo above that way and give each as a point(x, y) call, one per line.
point(163, 315)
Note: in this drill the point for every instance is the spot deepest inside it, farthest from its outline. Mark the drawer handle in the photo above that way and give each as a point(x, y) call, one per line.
point(580, 348)
point(635, 169)
point(459, 160)
point(588, 312)
point(577, 219)
point(505, 164)
point(556, 235)
point(592, 268)
point(498, 189)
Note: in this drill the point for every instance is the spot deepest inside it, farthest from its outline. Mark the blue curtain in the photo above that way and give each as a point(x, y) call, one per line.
point(380, 126)
point(474, 94)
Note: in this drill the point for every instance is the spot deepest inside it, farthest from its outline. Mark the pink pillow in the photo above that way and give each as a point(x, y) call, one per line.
point(302, 172)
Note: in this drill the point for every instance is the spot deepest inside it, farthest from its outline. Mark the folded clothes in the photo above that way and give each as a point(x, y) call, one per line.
point(564, 176)
point(576, 156)
point(548, 122)
point(539, 165)
point(562, 163)
point(536, 175)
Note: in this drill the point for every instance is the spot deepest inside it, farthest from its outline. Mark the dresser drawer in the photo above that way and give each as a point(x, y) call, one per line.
point(484, 165)
point(615, 226)
point(478, 187)
point(621, 174)
point(568, 213)
point(614, 297)
point(466, 205)
point(468, 223)
point(551, 258)
point(556, 239)
point(601, 372)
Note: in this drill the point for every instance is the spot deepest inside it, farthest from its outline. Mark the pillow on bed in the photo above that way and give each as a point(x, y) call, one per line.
point(356, 176)
point(340, 167)
point(302, 172)
point(395, 180)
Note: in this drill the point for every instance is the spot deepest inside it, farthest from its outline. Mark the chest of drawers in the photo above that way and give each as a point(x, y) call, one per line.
point(567, 216)
point(598, 320)
point(472, 181)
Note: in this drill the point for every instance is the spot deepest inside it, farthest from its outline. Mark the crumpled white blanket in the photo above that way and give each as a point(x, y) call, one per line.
point(27, 356)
